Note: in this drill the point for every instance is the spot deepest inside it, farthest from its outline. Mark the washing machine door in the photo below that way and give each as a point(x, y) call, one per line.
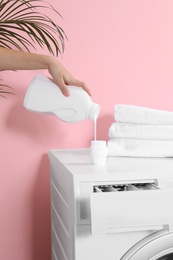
point(157, 246)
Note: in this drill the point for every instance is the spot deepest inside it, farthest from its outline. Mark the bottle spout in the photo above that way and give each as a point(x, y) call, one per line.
point(93, 111)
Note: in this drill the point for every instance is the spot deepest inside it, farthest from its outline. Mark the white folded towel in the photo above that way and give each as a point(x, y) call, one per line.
point(139, 148)
point(140, 131)
point(142, 115)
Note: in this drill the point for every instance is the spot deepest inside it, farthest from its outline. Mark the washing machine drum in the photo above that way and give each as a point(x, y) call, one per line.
point(157, 246)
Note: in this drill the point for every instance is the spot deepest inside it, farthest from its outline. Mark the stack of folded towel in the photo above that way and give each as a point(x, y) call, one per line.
point(141, 132)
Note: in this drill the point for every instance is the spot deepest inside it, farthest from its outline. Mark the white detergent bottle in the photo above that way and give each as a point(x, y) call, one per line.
point(44, 96)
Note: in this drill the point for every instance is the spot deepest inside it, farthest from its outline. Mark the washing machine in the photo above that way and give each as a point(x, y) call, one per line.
point(118, 211)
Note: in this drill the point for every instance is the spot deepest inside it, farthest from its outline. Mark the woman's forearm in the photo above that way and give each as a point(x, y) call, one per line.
point(18, 60)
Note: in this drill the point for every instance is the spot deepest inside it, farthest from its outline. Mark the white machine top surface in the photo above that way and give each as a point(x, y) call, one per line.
point(78, 165)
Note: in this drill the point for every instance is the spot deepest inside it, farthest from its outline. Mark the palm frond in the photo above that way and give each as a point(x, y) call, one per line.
point(18, 16)
point(23, 25)
point(4, 89)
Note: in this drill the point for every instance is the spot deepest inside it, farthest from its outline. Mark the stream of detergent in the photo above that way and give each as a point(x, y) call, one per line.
point(95, 129)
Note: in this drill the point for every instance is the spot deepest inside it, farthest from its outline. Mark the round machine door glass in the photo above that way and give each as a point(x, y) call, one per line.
point(166, 257)
point(157, 246)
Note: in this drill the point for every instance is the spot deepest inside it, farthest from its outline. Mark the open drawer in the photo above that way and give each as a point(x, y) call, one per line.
point(130, 207)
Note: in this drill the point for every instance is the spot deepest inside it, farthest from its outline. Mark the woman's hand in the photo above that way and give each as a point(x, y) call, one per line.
point(62, 77)
point(19, 60)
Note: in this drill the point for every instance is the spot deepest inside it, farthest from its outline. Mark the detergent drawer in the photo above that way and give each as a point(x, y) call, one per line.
point(130, 207)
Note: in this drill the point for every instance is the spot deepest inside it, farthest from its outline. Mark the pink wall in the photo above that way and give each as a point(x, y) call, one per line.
point(124, 52)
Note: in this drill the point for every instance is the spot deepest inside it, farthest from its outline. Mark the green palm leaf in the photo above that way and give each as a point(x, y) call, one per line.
point(5, 89)
point(24, 15)
point(37, 28)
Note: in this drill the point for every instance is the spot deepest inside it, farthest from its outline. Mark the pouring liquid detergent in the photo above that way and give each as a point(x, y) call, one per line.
point(44, 96)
